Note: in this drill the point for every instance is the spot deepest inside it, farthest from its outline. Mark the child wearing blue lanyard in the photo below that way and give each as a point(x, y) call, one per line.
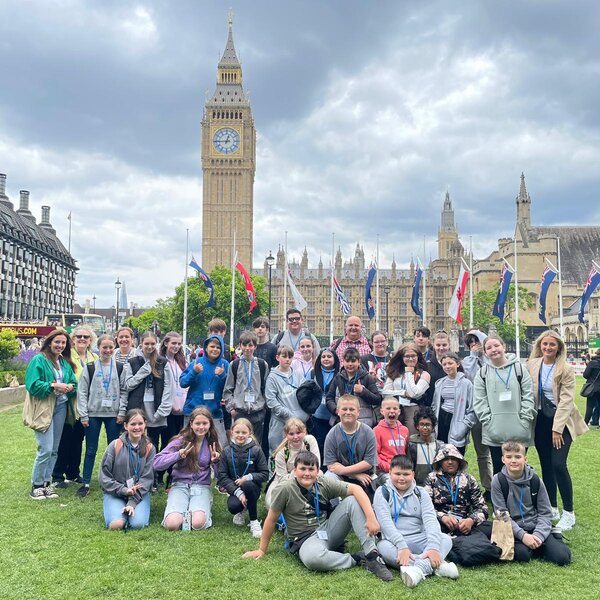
point(304, 358)
point(503, 400)
point(423, 446)
point(412, 540)
point(126, 475)
point(98, 396)
point(243, 469)
point(391, 435)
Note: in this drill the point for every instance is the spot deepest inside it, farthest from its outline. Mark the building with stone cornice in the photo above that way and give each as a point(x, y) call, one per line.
point(228, 165)
point(37, 273)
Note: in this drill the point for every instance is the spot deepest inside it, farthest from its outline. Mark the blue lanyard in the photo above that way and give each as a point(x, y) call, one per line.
point(316, 502)
point(397, 511)
point(105, 382)
point(350, 447)
point(540, 386)
point(295, 344)
point(306, 372)
point(233, 464)
point(396, 443)
point(426, 454)
point(507, 378)
point(136, 469)
point(349, 387)
point(453, 495)
point(521, 504)
point(248, 372)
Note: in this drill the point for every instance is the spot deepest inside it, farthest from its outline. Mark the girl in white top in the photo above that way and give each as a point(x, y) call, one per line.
point(407, 379)
point(124, 340)
point(304, 359)
point(295, 440)
point(171, 349)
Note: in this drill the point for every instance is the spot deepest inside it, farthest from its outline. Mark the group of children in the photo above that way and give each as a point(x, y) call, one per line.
point(372, 456)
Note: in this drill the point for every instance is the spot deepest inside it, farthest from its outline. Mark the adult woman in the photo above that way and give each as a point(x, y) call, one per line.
point(558, 420)
point(148, 383)
point(171, 349)
point(503, 400)
point(592, 373)
point(51, 383)
point(126, 475)
point(98, 397)
point(125, 350)
point(68, 460)
point(408, 379)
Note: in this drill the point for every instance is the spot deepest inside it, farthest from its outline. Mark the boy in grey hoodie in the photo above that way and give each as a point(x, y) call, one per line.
point(530, 513)
point(412, 540)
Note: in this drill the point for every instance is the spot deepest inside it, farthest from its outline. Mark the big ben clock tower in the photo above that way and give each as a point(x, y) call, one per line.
point(228, 166)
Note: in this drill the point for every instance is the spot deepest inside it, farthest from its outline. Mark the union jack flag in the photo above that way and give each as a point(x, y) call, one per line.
point(590, 286)
point(548, 276)
point(341, 298)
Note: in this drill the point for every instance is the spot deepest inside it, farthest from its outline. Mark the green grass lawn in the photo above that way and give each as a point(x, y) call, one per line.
point(59, 548)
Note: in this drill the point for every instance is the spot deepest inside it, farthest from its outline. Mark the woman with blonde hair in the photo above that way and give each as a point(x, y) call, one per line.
point(558, 419)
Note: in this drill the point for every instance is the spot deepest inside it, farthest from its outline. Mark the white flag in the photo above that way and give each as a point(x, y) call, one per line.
point(459, 295)
point(299, 301)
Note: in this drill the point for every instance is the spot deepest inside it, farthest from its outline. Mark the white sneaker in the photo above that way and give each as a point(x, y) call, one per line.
point(555, 513)
point(240, 519)
point(411, 576)
point(255, 529)
point(566, 521)
point(447, 569)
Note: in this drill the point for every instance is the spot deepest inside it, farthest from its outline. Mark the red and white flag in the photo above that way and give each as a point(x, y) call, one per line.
point(459, 295)
point(248, 285)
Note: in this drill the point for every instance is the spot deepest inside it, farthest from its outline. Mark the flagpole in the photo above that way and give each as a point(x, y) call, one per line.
point(185, 288)
point(424, 282)
point(377, 288)
point(560, 298)
point(286, 268)
point(471, 282)
point(69, 232)
point(232, 314)
point(517, 340)
point(331, 291)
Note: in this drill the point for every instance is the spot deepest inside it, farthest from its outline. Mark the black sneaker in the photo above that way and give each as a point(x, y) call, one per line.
point(83, 491)
point(61, 484)
point(359, 558)
point(37, 493)
point(374, 564)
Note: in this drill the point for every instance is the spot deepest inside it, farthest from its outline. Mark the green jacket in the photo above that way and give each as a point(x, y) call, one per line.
point(39, 376)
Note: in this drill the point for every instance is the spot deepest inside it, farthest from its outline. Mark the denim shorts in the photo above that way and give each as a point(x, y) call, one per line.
point(184, 497)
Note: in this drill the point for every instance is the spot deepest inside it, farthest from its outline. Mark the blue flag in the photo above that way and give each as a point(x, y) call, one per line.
point(590, 286)
point(207, 282)
point(414, 299)
point(548, 276)
point(368, 299)
point(505, 278)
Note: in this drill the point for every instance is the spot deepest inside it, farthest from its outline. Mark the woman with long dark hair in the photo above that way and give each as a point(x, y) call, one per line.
point(407, 379)
point(52, 386)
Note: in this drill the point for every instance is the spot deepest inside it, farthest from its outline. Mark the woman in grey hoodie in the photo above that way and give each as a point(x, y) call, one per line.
point(503, 400)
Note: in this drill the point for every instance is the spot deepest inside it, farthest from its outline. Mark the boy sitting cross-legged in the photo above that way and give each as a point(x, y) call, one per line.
point(316, 536)
point(522, 493)
point(411, 537)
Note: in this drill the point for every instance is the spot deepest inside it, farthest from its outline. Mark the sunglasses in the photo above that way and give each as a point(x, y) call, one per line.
point(83, 337)
point(294, 319)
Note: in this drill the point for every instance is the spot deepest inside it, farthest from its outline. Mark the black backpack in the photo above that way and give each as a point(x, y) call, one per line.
point(91, 367)
point(535, 488)
point(262, 366)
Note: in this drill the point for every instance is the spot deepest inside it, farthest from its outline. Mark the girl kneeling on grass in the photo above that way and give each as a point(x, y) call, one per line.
point(242, 470)
point(126, 475)
point(191, 454)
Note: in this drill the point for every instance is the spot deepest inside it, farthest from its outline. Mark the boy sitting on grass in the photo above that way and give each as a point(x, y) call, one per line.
point(412, 540)
point(315, 534)
point(518, 490)
point(350, 447)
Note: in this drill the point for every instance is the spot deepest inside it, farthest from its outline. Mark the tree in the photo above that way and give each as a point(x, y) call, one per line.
point(9, 345)
point(168, 313)
point(483, 305)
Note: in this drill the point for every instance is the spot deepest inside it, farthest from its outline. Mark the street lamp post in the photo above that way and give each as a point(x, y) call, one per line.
point(270, 262)
point(94, 303)
point(386, 291)
point(118, 288)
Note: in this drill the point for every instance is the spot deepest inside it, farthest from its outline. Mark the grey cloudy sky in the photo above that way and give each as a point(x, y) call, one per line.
point(366, 113)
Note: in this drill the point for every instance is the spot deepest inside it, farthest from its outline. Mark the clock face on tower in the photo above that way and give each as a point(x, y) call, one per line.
point(226, 140)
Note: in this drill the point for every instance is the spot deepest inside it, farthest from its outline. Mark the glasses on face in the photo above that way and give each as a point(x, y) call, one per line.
point(294, 319)
point(82, 337)
point(425, 425)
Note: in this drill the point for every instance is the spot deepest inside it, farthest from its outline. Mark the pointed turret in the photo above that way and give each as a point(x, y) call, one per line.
point(523, 205)
point(447, 233)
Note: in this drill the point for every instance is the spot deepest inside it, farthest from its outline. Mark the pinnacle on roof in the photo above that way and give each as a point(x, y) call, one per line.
point(447, 201)
point(229, 58)
point(523, 195)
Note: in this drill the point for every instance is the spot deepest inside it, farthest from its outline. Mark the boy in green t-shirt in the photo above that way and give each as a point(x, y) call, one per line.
point(312, 535)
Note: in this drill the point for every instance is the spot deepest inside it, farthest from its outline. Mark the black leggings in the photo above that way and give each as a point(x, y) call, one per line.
point(443, 425)
point(554, 462)
point(591, 405)
point(252, 492)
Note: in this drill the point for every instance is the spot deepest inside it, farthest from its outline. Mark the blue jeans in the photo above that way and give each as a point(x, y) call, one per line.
point(92, 434)
point(113, 511)
point(47, 449)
